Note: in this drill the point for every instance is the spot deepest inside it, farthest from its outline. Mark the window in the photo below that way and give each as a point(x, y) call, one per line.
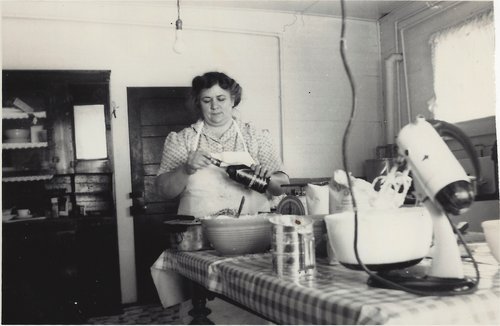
point(464, 71)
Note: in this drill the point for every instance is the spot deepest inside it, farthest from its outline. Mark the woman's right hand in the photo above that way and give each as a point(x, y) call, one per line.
point(196, 160)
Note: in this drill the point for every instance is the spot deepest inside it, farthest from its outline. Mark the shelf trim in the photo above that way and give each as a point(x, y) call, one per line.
point(24, 145)
point(23, 115)
point(28, 178)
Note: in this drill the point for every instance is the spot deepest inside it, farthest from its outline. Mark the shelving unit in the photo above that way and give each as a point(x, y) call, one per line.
point(82, 279)
point(91, 190)
point(18, 174)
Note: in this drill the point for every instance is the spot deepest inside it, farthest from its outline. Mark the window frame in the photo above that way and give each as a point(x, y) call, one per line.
point(416, 70)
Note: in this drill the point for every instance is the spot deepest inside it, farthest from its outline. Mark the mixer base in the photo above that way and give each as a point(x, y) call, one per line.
point(426, 283)
point(384, 267)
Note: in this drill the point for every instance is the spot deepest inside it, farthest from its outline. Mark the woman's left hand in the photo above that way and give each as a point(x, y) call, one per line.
point(260, 171)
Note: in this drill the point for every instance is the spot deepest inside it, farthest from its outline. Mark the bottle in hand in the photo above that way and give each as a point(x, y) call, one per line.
point(245, 175)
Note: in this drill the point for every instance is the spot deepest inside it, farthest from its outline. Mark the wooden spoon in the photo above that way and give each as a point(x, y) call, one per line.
point(242, 202)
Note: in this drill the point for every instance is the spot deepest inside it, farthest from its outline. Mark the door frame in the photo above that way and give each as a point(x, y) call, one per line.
point(149, 213)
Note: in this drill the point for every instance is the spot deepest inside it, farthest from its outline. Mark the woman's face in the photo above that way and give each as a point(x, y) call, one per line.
point(216, 105)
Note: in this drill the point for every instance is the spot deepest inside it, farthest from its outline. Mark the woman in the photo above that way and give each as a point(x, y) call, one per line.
point(186, 168)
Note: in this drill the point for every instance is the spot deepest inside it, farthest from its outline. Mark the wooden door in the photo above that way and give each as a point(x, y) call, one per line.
point(153, 113)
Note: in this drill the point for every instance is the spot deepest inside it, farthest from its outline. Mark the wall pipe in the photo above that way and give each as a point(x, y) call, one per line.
point(390, 91)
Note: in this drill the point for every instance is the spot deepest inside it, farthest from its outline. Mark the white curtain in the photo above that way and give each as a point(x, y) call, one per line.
point(464, 70)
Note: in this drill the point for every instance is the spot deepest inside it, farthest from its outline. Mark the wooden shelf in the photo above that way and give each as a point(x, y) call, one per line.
point(23, 115)
point(24, 145)
point(77, 173)
point(27, 178)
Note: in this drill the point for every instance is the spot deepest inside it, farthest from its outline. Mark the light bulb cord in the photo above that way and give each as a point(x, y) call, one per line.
point(178, 22)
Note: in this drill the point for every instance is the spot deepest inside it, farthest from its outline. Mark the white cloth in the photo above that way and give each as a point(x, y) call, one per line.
point(172, 287)
point(210, 189)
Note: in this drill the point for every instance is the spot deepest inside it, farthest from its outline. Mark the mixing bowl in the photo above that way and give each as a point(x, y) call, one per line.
point(247, 234)
point(387, 238)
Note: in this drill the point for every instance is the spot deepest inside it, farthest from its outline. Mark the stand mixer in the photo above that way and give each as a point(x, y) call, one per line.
point(443, 187)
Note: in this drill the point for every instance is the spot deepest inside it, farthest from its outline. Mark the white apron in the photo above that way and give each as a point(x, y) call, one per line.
point(210, 189)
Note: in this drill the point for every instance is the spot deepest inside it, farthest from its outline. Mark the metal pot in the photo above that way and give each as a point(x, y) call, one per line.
point(187, 235)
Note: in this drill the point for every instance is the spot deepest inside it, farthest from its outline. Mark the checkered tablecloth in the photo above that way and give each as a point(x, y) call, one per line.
point(336, 295)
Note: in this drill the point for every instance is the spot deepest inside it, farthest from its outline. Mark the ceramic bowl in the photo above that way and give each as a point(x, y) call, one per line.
point(491, 230)
point(17, 133)
point(387, 239)
point(247, 234)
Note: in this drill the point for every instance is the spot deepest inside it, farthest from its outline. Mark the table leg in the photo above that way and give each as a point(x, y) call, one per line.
point(199, 296)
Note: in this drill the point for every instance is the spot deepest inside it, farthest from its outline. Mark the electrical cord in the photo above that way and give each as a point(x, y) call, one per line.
point(375, 276)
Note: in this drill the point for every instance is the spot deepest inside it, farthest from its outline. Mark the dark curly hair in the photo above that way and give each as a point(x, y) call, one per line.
point(210, 79)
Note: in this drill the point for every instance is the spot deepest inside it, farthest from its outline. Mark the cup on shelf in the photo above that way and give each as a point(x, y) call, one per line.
point(38, 134)
point(23, 213)
point(42, 135)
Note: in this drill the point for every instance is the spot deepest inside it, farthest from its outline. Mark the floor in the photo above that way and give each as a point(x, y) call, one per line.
point(223, 313)
point(141, 315)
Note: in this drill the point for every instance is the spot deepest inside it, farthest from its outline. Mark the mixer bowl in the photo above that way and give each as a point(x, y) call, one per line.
point(247, 234)
point(387, 238)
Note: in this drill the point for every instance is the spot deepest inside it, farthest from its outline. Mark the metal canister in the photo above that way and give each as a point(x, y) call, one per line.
point(293, 246)
point(187, 235)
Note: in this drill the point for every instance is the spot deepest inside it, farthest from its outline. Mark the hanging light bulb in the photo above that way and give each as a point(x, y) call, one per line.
point(179, 45)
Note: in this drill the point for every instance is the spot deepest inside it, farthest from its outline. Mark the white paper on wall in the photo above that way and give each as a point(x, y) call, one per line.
point(90, 132)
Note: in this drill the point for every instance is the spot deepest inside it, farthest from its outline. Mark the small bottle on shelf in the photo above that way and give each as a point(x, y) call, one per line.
point(54, 207)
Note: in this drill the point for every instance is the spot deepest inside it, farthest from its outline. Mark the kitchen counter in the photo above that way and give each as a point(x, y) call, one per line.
point(336, 295)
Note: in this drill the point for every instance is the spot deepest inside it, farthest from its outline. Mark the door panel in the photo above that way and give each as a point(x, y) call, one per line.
point(151, 169)
point(152, 150)
point(149, 189)
point(178, 104)
point(153, 113)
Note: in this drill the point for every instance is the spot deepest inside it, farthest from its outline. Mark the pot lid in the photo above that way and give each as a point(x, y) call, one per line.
point(183, 222)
